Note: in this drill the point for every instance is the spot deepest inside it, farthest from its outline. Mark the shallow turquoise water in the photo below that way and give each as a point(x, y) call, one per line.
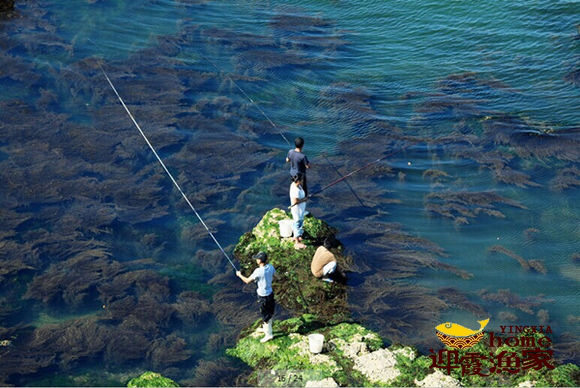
point(334, 73)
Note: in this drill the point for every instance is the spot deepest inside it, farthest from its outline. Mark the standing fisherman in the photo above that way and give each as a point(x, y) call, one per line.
point(263, 276)
point(298, 209)
point(298, 162)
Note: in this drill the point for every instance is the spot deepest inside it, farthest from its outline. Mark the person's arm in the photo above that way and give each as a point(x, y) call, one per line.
point(306, 162)
point(294, 201)
point(244, 279)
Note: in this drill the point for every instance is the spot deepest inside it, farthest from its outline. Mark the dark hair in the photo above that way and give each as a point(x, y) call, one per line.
point(299, 142)
point(262, 256)
point(297, 178)
point(330, 242)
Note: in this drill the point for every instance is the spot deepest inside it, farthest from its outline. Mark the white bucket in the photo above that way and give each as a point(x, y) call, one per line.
point(285, 228)
point(316, 341)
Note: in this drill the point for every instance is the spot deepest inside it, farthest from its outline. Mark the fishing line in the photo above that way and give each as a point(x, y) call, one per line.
point(352, 173)
point(165, 168)
point(249, 98)
point(347, 183)
point(288, 142)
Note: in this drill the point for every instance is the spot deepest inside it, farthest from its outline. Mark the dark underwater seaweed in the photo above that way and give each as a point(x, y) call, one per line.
point(498, 248)
point(237, 41)
point(73, 280)
point(567, 348)
point(456, 298)
point(538, 266)
point(215, 373)
point(351, 106)
point(573, 77)
point(531, 233)
point(534, 264)
point(396, 310)
point(461, 206)
point(508, 298)
point(543, 316)
point(507, 316)
point(566, 178)
point(191, 308)
point(529, 140)
point(233, 307)
point(294, 21)
point(167, 351)
point(263, 60)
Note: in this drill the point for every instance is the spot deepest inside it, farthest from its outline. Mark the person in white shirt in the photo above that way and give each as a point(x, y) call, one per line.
point(263, 277)
point(298, 208)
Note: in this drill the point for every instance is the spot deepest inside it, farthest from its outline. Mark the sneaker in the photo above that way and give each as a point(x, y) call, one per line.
point(328, 280)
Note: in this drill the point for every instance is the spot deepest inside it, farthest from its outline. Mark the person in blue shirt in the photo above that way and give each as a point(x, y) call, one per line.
point(263, 277)
point(298, 162)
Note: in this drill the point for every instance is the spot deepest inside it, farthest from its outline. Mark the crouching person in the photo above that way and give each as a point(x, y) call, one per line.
point(324, 263)
point(263, 277)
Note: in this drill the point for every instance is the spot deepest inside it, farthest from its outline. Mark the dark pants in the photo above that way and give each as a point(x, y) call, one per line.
point(267, 305)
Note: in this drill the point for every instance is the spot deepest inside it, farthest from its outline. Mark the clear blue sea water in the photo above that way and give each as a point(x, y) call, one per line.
point(465, 99)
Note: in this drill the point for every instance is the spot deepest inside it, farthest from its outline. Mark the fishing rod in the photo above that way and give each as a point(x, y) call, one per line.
point(269, 120)
point(348, 184)
point(347, 175)
point(288, 142)
point(165, 168)
point(249, 98)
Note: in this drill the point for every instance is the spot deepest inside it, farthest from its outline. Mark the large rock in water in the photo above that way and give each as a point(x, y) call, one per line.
point(295, 288)
point(151, 379)
point(6, 6)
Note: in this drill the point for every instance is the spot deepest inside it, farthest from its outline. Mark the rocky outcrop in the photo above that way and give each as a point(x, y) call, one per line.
point(295, 288)
point(438, 379)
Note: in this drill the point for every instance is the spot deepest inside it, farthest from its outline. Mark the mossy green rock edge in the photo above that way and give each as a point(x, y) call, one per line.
point(151, 379)
point(295, 288)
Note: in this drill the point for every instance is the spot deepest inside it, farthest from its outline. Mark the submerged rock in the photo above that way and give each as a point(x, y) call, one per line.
point(151, 379)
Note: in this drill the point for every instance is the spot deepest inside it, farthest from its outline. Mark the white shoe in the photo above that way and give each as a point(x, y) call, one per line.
point(261, 329)
point(267, 331)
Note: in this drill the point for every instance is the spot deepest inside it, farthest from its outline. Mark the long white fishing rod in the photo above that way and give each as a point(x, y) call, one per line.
point(165, 168)
point(249, 98)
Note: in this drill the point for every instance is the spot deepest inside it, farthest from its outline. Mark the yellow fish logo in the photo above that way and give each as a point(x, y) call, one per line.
point(460, 337)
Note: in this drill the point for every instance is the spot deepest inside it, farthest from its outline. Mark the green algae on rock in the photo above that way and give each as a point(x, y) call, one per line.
point(151, 379)
point(295, 288)
point(352, 355)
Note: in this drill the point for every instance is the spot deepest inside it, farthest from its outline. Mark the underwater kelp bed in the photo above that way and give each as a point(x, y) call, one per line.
point(102, 262)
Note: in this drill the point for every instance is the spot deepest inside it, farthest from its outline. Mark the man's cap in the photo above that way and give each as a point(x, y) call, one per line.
point(262, 256)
